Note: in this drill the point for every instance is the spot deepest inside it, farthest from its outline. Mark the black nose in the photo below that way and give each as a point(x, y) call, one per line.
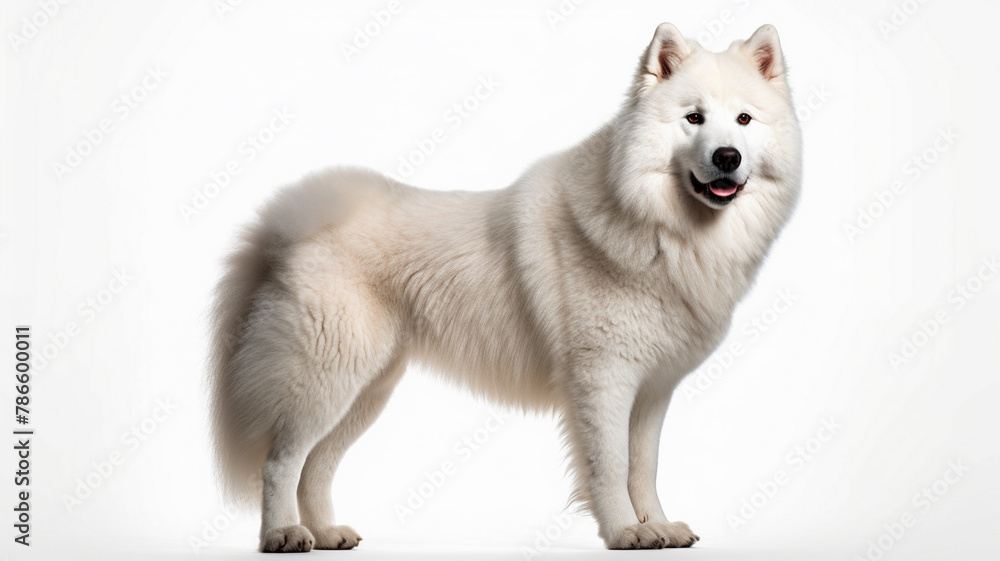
point(727, 159)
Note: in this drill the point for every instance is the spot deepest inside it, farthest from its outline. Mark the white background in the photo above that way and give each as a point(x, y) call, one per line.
point(871, 101)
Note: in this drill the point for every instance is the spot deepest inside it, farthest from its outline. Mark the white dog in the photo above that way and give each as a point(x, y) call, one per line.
point(590, 287)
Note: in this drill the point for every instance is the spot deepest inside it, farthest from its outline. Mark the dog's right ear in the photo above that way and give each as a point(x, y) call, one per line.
point(663, 56)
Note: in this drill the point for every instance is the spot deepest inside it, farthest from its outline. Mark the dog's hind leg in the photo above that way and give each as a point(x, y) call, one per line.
point(302, 424)
point(280, 530)
point(315, 503)
point(334, 342)
point(305, 417)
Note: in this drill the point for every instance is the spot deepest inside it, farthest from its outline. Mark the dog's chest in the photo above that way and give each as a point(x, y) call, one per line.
point(650, 319)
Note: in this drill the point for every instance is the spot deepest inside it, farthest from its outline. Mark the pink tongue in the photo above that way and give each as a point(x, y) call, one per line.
point(724, 190)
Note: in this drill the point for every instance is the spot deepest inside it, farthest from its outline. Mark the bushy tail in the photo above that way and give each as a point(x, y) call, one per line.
point(247, 268)
point(243, 413)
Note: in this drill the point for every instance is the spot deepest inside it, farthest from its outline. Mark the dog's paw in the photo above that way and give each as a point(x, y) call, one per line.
point(636, 536)
point(676, 534)
point(336, 537)
point(289, 539)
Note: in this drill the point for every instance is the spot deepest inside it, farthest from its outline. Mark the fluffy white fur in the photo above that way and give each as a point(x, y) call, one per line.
point(589, 287)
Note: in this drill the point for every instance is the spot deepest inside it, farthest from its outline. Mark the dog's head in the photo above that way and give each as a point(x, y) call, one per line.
point(720, 125)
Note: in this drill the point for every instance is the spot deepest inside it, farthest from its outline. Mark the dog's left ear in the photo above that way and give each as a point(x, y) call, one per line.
point(764, 49)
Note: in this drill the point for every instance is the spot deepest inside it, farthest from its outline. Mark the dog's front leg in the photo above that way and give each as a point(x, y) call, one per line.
point(645, 424)
point(598, 418)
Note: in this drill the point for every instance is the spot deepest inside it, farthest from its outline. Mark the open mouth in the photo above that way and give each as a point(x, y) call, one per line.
point(720, 191)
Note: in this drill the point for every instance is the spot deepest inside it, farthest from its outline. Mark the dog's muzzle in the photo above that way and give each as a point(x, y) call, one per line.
point(721, 191)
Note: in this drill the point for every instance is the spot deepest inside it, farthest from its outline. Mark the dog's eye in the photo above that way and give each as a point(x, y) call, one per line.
point(695, 118)
point(743, 119)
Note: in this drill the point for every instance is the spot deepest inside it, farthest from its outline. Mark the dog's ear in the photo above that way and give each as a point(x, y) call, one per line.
point(662, 58)
point(764, 50)
point(665, 52)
